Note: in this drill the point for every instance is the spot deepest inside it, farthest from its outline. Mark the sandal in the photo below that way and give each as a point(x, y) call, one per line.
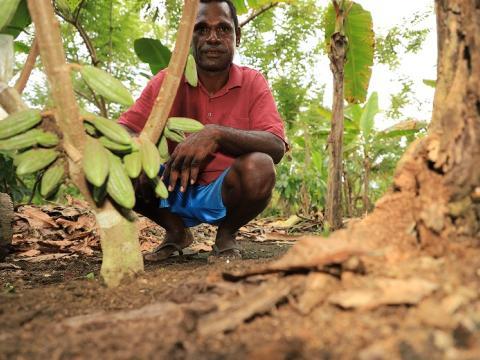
point(156, 255)
point(225, 255)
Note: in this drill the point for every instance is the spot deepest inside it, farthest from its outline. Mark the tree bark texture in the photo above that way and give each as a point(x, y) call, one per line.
point(443, 169)
point(117, 231)
point(338, 49)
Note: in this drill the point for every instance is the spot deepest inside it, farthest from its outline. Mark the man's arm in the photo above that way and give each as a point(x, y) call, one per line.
point(237, 142)
point(188, 156)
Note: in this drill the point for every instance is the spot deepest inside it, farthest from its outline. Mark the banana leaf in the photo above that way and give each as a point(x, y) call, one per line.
point(358, 29)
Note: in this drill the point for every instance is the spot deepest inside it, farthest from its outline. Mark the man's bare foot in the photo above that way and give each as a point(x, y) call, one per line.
point(174, 242)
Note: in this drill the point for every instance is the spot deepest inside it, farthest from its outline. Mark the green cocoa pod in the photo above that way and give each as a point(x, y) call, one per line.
point(99, 193)
point(133, 164)
point(7, 10)
point(90, 129)
point(161, 190)
point(114, 146)
point(48, 139)
point(111, 129)
point(19, 122)
point(95, 162)
point(184, 124)
point(163, 149)
point(22, 141)
point(106, 85)
point(18, 157)
point(119, 185)
point(52, 179)
point(150, 158)
point(173, 135)
point(191, 71)
point(36, 160)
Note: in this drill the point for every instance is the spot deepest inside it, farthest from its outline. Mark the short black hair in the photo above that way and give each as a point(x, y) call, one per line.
point(233, 10)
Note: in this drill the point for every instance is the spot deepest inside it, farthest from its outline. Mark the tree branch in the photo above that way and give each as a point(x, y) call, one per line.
point(83, 34)
point(257, 14)
point(58, 73)
point(159, 115)
point(27, 69)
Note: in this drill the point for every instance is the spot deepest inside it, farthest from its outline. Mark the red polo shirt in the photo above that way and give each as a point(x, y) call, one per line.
point(245, 102)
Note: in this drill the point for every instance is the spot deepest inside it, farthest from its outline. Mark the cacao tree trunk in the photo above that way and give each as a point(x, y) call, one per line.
point(337, 57)
point(119, 238)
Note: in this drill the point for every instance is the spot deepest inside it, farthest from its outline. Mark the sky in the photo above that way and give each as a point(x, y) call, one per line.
point(417, 67)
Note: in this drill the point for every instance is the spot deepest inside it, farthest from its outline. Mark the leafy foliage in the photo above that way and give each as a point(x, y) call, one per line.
point(401, 39)
point(9, 182)
point(153, 52)
point(20, 20)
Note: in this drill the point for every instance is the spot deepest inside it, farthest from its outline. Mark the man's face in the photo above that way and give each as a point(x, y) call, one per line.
point(214, 37)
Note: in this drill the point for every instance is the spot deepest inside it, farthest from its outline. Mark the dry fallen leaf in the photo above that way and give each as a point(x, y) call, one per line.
point(36, 217)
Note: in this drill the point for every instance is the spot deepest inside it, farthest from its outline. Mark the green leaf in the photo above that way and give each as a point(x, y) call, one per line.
point(240, 6)
point(153, 52)
point(327, 115)
point(68, 5)
point(403, 128)
point(19, 22)
point(368, 115)
point(358, 68)
point(21, 47)
point(354, 112)
point(358, 28)
point(395, 133)
point(431, 83)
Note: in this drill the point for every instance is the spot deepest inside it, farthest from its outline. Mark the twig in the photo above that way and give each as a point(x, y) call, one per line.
point(257, 14)
point(83, 34)
point(27, 69)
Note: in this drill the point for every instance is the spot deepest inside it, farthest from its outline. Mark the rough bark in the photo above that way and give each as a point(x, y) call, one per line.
point(443, 169)
point(337, 56)
point(117, 231)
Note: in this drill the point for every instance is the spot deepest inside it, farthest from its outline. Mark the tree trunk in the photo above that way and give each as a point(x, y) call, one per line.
point(116, 231)
point(366, 181)
point(441, 170)
point(337, 55)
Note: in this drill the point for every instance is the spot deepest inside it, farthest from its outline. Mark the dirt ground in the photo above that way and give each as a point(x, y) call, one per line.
point(184, 308)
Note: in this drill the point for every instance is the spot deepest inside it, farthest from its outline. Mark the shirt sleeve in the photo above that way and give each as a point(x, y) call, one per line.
point(137, 115)
point(263, 112)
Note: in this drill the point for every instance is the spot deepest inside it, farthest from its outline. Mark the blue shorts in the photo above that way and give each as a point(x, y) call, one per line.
point(199, 204)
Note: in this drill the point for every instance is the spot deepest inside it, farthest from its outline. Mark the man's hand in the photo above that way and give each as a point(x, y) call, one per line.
point(189, 156)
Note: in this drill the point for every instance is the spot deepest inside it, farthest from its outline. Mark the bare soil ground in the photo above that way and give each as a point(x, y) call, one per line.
point(421, 308)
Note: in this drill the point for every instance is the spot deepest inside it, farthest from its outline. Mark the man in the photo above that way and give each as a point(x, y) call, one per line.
point(225, 173)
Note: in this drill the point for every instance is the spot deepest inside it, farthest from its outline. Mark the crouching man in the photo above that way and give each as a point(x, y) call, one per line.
point(224, 174)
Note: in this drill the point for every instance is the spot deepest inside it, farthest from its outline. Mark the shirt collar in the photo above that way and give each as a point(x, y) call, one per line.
point(235, 77)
